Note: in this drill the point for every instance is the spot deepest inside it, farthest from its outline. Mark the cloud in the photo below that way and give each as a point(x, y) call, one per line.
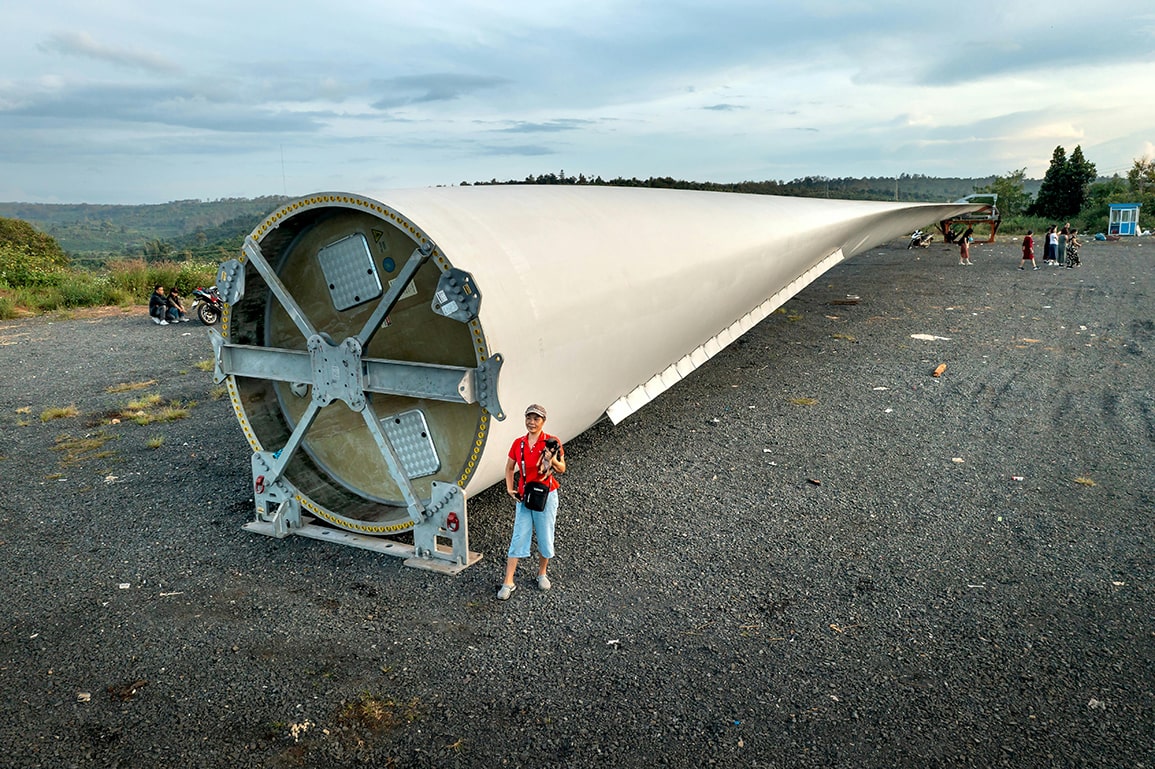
point(179, 106)
point(527, 150)
point(85, 46)
point(433, 87)
point(549, 126)
point(194, 101)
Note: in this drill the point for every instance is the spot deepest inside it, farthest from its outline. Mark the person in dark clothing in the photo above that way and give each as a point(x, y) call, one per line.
point(1073, 246)
point(175, 307)
point(158, 305)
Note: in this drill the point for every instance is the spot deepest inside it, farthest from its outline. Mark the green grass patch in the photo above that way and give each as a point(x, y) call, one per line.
point(205, 365)
point(153, 408)
point(155, 442)
point(59, 412)
point(145, 402)
point(804, 401)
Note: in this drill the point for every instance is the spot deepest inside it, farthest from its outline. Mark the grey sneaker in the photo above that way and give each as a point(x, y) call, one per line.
point(164, 323)
point(543, 582)
point(505, 592)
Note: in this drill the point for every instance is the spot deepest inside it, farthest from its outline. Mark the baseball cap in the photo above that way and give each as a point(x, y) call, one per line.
point(533, 408)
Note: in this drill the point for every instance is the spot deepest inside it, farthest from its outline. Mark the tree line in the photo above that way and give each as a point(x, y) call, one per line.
point(905, 187)
point(1071, 191)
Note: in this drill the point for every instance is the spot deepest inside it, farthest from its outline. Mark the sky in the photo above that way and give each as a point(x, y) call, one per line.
point(129, 102)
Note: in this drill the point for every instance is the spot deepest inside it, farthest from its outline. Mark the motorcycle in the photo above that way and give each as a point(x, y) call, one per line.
point(208, 305)
point(920, 239)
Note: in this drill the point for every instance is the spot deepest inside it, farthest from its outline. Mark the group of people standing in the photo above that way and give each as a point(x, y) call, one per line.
point(166, 309)
point(1060, 247)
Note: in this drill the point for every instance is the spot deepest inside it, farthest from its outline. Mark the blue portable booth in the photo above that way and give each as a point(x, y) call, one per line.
point(1124, 219)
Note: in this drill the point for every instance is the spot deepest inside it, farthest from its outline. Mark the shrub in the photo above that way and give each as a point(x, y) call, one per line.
point(28, 257)
point(130, 276)
point(162, 273)
point(1018, 225)
point(39, 299)
point(19, 267)
point(194, 274)
point(81, 289)
point(135, 278)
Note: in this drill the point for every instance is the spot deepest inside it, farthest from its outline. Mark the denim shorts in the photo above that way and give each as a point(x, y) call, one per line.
point(526, 522)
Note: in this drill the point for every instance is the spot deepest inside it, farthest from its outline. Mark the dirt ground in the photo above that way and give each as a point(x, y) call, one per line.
point(812, 552)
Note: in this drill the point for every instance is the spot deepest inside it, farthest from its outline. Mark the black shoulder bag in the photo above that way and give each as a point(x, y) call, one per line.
point(534, 493)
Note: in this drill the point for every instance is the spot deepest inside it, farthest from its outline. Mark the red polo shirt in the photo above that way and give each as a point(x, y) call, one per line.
point(528, 467)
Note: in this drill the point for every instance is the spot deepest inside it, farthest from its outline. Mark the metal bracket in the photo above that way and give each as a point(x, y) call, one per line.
point(275, 500)
point(457, 296)
point(231, 281)
point(286, 519)
point(485, 385)
point(337, 372)
point(441, 539)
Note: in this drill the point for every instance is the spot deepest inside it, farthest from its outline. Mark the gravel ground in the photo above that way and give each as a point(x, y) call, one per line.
point(812, 552)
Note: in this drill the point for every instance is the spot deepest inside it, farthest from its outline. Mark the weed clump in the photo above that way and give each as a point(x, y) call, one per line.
point(154, 408)
point(75, 450)
point(58, 412)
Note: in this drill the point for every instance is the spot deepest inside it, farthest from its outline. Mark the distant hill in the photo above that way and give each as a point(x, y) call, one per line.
point(92, 233)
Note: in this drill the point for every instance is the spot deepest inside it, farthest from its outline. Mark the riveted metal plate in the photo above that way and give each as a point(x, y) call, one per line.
point(349, 271)
point(409, 434)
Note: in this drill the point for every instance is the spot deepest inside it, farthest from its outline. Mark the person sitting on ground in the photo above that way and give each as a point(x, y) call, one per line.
point(176, 312)
point(157, 305)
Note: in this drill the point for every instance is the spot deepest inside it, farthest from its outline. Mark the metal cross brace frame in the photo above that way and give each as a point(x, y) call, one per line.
point(337, 371)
